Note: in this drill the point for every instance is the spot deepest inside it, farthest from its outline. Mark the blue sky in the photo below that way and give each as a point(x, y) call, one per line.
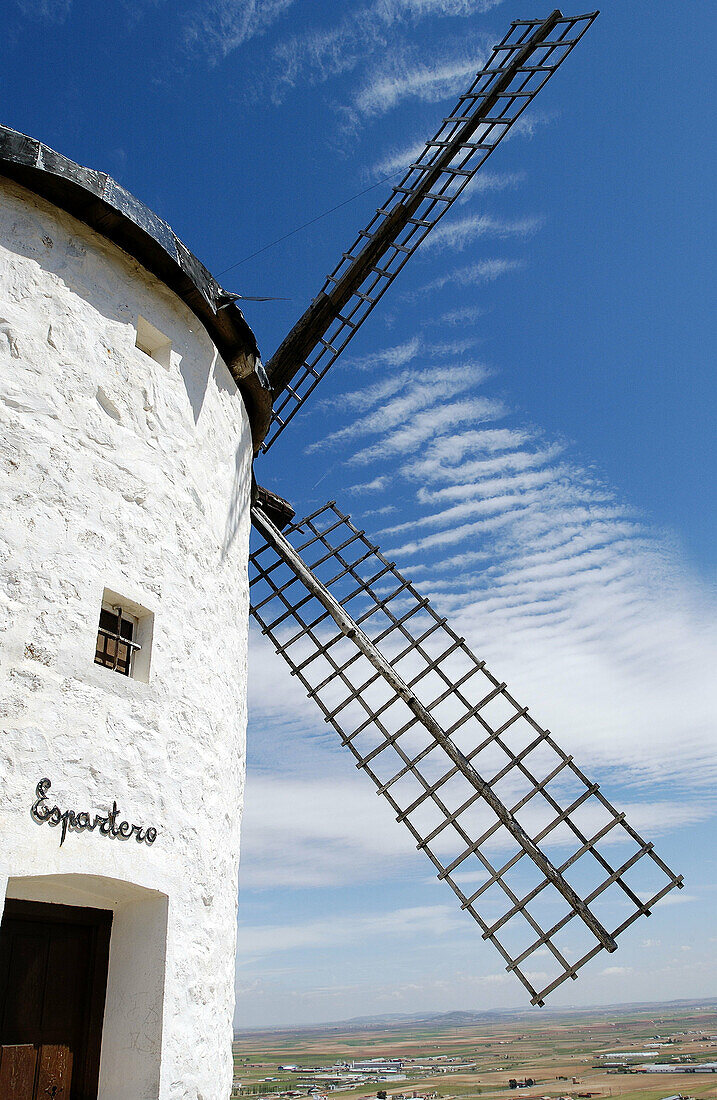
point(525, 425)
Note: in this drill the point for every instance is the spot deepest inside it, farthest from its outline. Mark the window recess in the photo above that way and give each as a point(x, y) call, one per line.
point(116, 645)
point(124, 636)
point(153, 342)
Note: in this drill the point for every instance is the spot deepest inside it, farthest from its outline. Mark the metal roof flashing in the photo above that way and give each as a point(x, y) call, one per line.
point(101, 203)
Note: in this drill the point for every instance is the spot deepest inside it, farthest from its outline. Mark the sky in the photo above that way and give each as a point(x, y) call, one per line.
point(525, 425)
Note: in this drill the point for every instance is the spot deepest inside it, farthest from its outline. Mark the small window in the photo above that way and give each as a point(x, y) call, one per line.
point(153, 342)
point(124, 636)
point(116, 643)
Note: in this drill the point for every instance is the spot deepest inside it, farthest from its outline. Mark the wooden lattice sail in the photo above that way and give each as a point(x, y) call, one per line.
point(473, 776)
point(518, 67)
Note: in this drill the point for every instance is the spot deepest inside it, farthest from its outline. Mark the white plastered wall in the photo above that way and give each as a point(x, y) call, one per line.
point(120, 473)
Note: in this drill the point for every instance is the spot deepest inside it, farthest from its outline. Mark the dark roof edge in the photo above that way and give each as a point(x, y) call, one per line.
point(101, 203)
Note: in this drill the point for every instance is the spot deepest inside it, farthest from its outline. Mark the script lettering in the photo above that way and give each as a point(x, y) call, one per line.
point(78, 822)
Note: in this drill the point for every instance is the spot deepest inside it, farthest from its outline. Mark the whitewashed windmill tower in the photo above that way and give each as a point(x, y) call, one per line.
point(132, 404)
point(130, 411)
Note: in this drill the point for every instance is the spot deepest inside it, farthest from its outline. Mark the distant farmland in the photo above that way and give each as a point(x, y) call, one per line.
point(462, 1057)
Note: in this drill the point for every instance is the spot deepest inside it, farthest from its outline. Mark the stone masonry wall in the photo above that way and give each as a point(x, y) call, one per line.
point(117, 472)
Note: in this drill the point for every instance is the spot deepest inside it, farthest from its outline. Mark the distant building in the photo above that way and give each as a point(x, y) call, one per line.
point(628, 1055)
point(695, 1067)
point(378, 1065)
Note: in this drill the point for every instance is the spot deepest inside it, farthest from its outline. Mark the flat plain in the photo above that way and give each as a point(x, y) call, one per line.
point(468, 1055)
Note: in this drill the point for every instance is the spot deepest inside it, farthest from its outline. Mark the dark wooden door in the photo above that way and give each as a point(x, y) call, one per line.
point(53, 979)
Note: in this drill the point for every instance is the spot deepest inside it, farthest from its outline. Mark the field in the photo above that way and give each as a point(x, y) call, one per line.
point(457, 1057)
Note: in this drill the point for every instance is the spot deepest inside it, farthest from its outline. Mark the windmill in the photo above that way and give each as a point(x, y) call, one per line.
point(532, 849)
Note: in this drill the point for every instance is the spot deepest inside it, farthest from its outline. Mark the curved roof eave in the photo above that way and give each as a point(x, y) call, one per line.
point(101, 203)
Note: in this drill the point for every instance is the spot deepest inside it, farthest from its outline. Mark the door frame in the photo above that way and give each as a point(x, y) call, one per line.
point(100, 922)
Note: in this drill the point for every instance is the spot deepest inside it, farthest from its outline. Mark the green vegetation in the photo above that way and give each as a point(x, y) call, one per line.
point(558, 1055)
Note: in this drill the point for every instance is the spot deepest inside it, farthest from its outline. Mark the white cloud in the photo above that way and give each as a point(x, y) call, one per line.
point(531, 122)
point(484, 271)
point(404, 76)
point(392, 10)
point(301, 832)
point(457, 233)
point(485, 180)
point(376, 484)
point(424, 922)
point(464, 315)
point(396, 356)
point(428, 424)
point(312, 821)
point(680, 898)
point(53, 11)
point(330, 829)
point(320, 53)
point(219, 27)
point(404, 73)
point(396, 402)
point(398, 159)
point(401, 355)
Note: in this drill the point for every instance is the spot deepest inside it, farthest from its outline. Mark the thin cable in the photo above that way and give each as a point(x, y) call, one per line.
point(318, 218)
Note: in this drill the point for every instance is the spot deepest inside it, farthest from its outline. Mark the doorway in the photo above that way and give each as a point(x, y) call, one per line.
point(53, 980)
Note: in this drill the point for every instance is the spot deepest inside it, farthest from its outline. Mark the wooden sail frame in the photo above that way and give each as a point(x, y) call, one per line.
point(428, 722)
point(518, 68)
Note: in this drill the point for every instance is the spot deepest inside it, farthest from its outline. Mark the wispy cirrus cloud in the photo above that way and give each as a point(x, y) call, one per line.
point(397, 356)
point(219, 27)
point(51, 11)
point(400, 355)
point(486, 181)
point(462, 316)
point(375, 485)
point(405, 75)
point(483, 271)
point(458, 233)
point(393, 10)
point(321, 53)
point(399, 400)
point(325, 830)
point(398, 159)
point(562, 583)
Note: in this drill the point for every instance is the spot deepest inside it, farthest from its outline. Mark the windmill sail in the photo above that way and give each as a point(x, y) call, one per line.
point(479, 784)
point(519, 66)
